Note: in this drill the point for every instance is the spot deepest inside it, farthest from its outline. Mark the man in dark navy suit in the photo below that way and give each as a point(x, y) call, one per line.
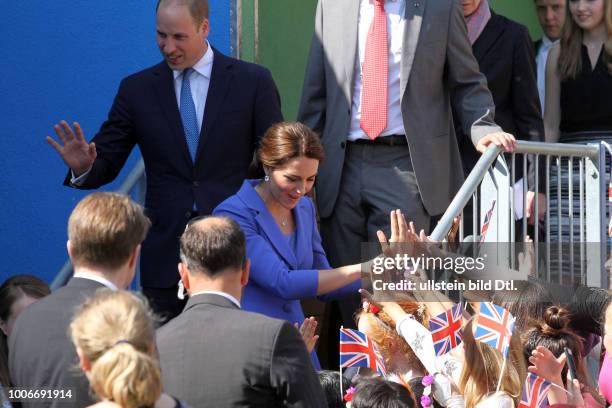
point(197, 118)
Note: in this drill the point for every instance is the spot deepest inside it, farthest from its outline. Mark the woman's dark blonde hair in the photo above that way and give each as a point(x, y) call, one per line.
point(482, 367)
point(285, 141)
point(570, 56)
point(114, 330)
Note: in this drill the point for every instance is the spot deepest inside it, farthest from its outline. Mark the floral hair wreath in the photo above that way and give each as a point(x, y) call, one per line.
point(349, 394)
point(426, 381)
point(372, 308)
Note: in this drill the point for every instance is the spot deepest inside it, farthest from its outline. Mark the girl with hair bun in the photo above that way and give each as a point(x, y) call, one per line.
point(553, 333)
point(114, 335)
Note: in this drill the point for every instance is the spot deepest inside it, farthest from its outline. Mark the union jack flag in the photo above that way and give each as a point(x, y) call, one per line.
point(446, 330)
point(534, 392)
point(495, 326)
point(358, 350)
point(486, 221)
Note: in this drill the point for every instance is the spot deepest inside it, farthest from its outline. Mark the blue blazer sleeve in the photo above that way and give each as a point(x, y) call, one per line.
point(268, 270)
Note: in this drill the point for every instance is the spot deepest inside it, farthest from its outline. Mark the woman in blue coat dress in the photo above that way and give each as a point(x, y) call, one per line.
point(288, 262)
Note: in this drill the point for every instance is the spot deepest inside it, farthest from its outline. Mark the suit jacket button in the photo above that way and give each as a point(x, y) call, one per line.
point(287, 307)
point(342, 145)
point(196, 183)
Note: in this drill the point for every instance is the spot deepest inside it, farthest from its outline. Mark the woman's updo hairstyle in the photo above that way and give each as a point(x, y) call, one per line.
point(114, 330)
point(554, 333)
point(285, 141)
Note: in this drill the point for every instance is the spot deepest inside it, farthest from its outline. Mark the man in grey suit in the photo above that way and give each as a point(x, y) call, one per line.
point(380, 81)
point(216, 355)
point(105, 231)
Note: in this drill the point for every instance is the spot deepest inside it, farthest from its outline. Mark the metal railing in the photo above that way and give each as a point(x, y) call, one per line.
point(134, 185)
point(574, 191)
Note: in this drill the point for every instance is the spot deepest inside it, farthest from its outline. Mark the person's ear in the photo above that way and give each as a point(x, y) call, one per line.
point(69, 249)
point(205, 27)
point(246, 268)
point(3, 327)
point(84, 362)
point(184, 274)
point(134, 257)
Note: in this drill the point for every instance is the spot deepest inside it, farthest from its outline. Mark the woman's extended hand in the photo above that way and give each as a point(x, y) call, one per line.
point(308, 330)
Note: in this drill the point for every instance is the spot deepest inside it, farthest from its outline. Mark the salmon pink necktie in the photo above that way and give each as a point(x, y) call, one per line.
point(374, 75)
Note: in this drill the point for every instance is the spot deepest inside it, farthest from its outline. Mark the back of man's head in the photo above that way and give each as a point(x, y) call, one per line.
point(104, 229)
point(212, 245)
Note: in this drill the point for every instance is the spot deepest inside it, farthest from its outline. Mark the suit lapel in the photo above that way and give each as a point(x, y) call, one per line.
point(276, 238)
point(164, 87)
point(412, 28)
point(536, 45)
point(301, 226)
point(350, 22)
point(494, 28)
point(220, 79)
point(266, 223)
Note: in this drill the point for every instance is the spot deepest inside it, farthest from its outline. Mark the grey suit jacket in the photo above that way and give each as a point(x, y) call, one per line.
point(41, 355)
point(216, 355)
point(437, 69)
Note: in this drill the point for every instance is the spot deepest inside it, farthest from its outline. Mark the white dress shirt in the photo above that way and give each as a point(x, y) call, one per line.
point(223, 294)
point(394, 9)
point(97, 278)
point(199, 80)
point(541, 67)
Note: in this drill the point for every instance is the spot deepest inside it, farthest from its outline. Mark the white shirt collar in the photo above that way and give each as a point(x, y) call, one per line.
point(203, 66)
point(215, 292)
point(547, 42)
point(97, 278)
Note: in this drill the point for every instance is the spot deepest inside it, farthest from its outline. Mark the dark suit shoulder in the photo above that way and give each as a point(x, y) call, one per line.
point(537, 44)
point(517, 29)
point(247, 67)
point(62, 302)
point(147, 73)
point(240, 322)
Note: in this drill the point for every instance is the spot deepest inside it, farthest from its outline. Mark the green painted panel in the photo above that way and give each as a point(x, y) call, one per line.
point(285, 31)
point(522, 11)
point(247, 42)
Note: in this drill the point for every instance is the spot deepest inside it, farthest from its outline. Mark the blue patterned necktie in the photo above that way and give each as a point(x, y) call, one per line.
point(188, 114)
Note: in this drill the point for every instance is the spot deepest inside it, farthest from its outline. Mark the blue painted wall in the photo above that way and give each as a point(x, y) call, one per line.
point(63, 60)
